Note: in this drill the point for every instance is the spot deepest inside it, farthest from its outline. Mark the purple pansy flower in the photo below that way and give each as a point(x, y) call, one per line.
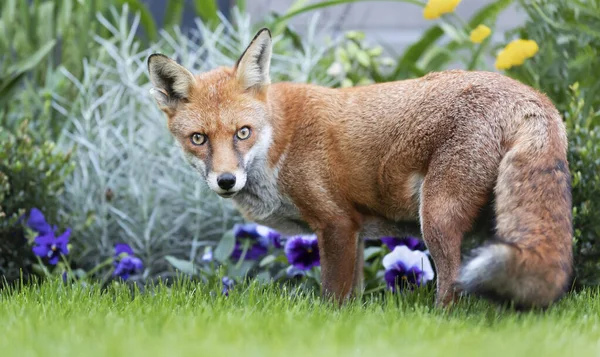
point(51, 247)
point(411, 242)
point(258, 238)
point(227, 285)
point(403, 266)
point(302, 252)
point(47, 245)
point(125, 262)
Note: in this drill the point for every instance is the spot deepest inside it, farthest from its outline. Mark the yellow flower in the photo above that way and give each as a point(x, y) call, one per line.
point(436, 8)
point(515, 53)
point(480, 33)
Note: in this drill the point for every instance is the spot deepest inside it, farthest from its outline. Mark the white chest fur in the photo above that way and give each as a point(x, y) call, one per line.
point(262, 202)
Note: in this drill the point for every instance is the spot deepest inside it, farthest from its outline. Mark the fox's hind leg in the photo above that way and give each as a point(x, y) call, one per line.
point(454, 190)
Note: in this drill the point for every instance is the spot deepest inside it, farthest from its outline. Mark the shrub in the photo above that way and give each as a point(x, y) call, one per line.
point(30, 176)
point(584, 161)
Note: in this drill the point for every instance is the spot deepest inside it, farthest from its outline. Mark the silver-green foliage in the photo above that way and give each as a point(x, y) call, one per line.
point(131, 183)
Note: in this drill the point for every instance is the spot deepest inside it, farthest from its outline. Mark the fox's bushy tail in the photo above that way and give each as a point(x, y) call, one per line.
point(530, 260)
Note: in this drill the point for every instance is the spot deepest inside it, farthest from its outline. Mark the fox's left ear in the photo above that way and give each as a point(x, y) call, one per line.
point(252, 69)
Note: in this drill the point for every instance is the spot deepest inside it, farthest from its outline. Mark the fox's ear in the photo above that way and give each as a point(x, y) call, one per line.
point(171, 81)
point(252, 69)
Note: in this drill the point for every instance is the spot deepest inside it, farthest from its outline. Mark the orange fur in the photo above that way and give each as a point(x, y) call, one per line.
point(344, 162)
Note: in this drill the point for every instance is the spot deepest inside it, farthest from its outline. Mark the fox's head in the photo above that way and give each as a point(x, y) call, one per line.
point(220, 118)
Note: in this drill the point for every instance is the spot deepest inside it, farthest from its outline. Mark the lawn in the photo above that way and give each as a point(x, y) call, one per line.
point(189, 320)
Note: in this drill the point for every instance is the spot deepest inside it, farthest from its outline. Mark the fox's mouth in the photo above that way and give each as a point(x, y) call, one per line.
point(227, 194)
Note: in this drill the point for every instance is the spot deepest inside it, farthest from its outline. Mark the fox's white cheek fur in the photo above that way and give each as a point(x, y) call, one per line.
point(261, 147)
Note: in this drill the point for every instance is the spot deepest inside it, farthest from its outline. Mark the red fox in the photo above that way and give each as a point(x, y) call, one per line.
point(349, 163)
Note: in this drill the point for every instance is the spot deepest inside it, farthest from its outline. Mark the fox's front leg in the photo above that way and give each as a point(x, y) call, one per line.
point(338, 242)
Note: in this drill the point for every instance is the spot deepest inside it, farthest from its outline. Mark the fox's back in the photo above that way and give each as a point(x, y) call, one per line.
point(362, 135)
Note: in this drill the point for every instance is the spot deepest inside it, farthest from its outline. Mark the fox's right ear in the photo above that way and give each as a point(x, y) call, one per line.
point(171, 81)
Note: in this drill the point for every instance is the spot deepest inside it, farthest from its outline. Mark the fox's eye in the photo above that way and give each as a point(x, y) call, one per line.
point(198, 139)
point(243, 133)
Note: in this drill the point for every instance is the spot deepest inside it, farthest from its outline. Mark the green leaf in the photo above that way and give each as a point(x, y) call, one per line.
point(279, 27)
point(276, 24)
point(414, 52)
point(241, 5)
point(33, 59)
point(263, 277)
point(370, 252)
point(269, 259)
point(346, 83)
point(375, 51)
point(489, 13)
point(208, 11)
point(225, 247)
point(173, 13)
point(9, 11)
point(352, 49)
point(456, 34)
point(295, 37)
point(45, 26)
point(64, 15)
point(146, 18)
point(26, 22)
point(238, 273)
point(355, 35)
point(363, 58)
point(8, 87)
point(183, 266)
point(16, 72)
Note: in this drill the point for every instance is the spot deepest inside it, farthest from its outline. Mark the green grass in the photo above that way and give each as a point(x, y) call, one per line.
point(188, 320)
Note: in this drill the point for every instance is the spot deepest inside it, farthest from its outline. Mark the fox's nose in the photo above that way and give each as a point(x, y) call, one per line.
point(226, 181)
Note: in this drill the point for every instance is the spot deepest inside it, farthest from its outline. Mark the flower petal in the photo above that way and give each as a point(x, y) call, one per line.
point(38, 223)
point(392, 277)
point(46, 239)
point(227, 285)
point(302, 252)
point(54, 259)
point(246, 230)
point(123, 248)
point(409, 258)
point(411, 242)
point(480, 33)
point(208, 255)
point(273, 237)
point(63, 241)
point(137, 264)
point(41, 250)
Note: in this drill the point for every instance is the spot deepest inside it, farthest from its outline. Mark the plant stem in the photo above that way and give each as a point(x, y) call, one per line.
point(99, 266)
point(243, 256)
